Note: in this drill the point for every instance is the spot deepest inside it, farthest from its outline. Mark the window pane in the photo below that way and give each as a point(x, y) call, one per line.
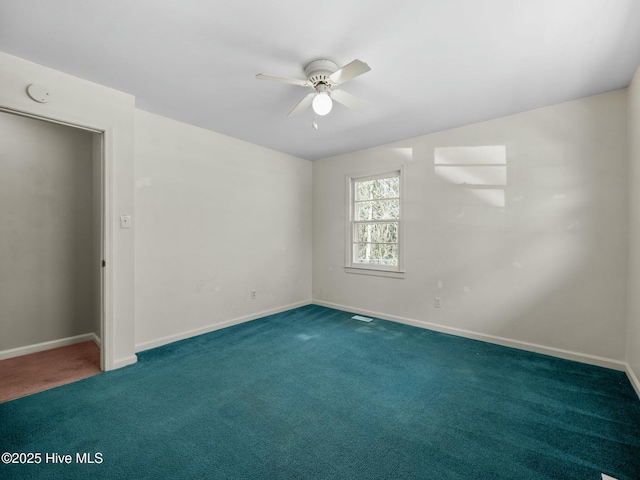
point(378, 188)
point(375, 254)
point(377, 233)
point(378, 210)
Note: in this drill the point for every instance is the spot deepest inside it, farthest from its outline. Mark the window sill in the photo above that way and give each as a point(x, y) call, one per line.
point(374, 272)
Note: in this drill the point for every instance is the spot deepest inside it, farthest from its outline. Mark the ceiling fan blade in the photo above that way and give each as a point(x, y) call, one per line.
point(350, 101)
point(304, 104)
point(275, 78)
point(349, 71)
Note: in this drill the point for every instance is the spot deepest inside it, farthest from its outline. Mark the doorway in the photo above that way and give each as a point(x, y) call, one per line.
point(51, 236)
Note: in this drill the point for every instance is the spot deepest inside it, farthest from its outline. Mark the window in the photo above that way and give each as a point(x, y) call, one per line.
point(375, 223)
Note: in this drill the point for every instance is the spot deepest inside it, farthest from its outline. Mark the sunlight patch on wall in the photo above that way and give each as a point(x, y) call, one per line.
point(462, 174)
point(405, 153)
point(480, 170)
point(480, 155)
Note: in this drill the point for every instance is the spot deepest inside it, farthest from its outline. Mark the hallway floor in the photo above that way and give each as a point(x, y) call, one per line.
point(27, 374)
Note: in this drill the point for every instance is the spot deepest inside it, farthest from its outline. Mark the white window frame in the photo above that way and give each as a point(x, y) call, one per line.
point(364, 269)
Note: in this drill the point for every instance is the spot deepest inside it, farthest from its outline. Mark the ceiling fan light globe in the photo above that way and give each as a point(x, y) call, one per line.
point(322, 104)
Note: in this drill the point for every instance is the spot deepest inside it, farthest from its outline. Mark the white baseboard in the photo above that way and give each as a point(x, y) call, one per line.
point(217, 326)
point(633, 379)
point(507, 342)
point(40, 347)
point(123, 362)
point(96, 339)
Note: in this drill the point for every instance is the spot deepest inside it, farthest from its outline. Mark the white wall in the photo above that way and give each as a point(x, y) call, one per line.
point(89, 104)
point(46, 241)
point(215, 218)
point(545, 268)
point(633, 332)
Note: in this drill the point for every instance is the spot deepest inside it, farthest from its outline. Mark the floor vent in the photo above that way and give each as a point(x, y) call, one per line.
point(362, 319)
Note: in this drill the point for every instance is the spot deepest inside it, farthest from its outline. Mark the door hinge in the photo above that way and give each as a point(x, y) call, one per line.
point(104, 264)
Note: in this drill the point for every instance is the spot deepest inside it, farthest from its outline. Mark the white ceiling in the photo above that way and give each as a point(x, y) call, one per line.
point(435, 64)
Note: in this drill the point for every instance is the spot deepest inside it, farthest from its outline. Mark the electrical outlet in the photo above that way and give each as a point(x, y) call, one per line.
point(253, 294)
point(438, 302)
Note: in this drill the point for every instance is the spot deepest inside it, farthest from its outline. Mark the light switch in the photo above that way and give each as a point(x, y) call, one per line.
point(125, 221)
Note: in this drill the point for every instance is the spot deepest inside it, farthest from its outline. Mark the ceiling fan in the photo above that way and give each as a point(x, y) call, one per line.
point(323, 76)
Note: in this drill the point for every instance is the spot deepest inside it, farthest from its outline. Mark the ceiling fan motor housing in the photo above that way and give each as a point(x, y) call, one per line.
point(318, 71)
point(323, 76)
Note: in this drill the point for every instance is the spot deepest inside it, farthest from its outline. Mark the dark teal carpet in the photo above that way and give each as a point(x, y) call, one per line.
point(312, 394)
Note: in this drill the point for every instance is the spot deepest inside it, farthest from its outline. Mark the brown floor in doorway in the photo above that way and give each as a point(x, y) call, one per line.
point(27, 374)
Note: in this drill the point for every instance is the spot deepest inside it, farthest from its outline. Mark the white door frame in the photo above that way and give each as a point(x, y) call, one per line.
point(106, 234)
